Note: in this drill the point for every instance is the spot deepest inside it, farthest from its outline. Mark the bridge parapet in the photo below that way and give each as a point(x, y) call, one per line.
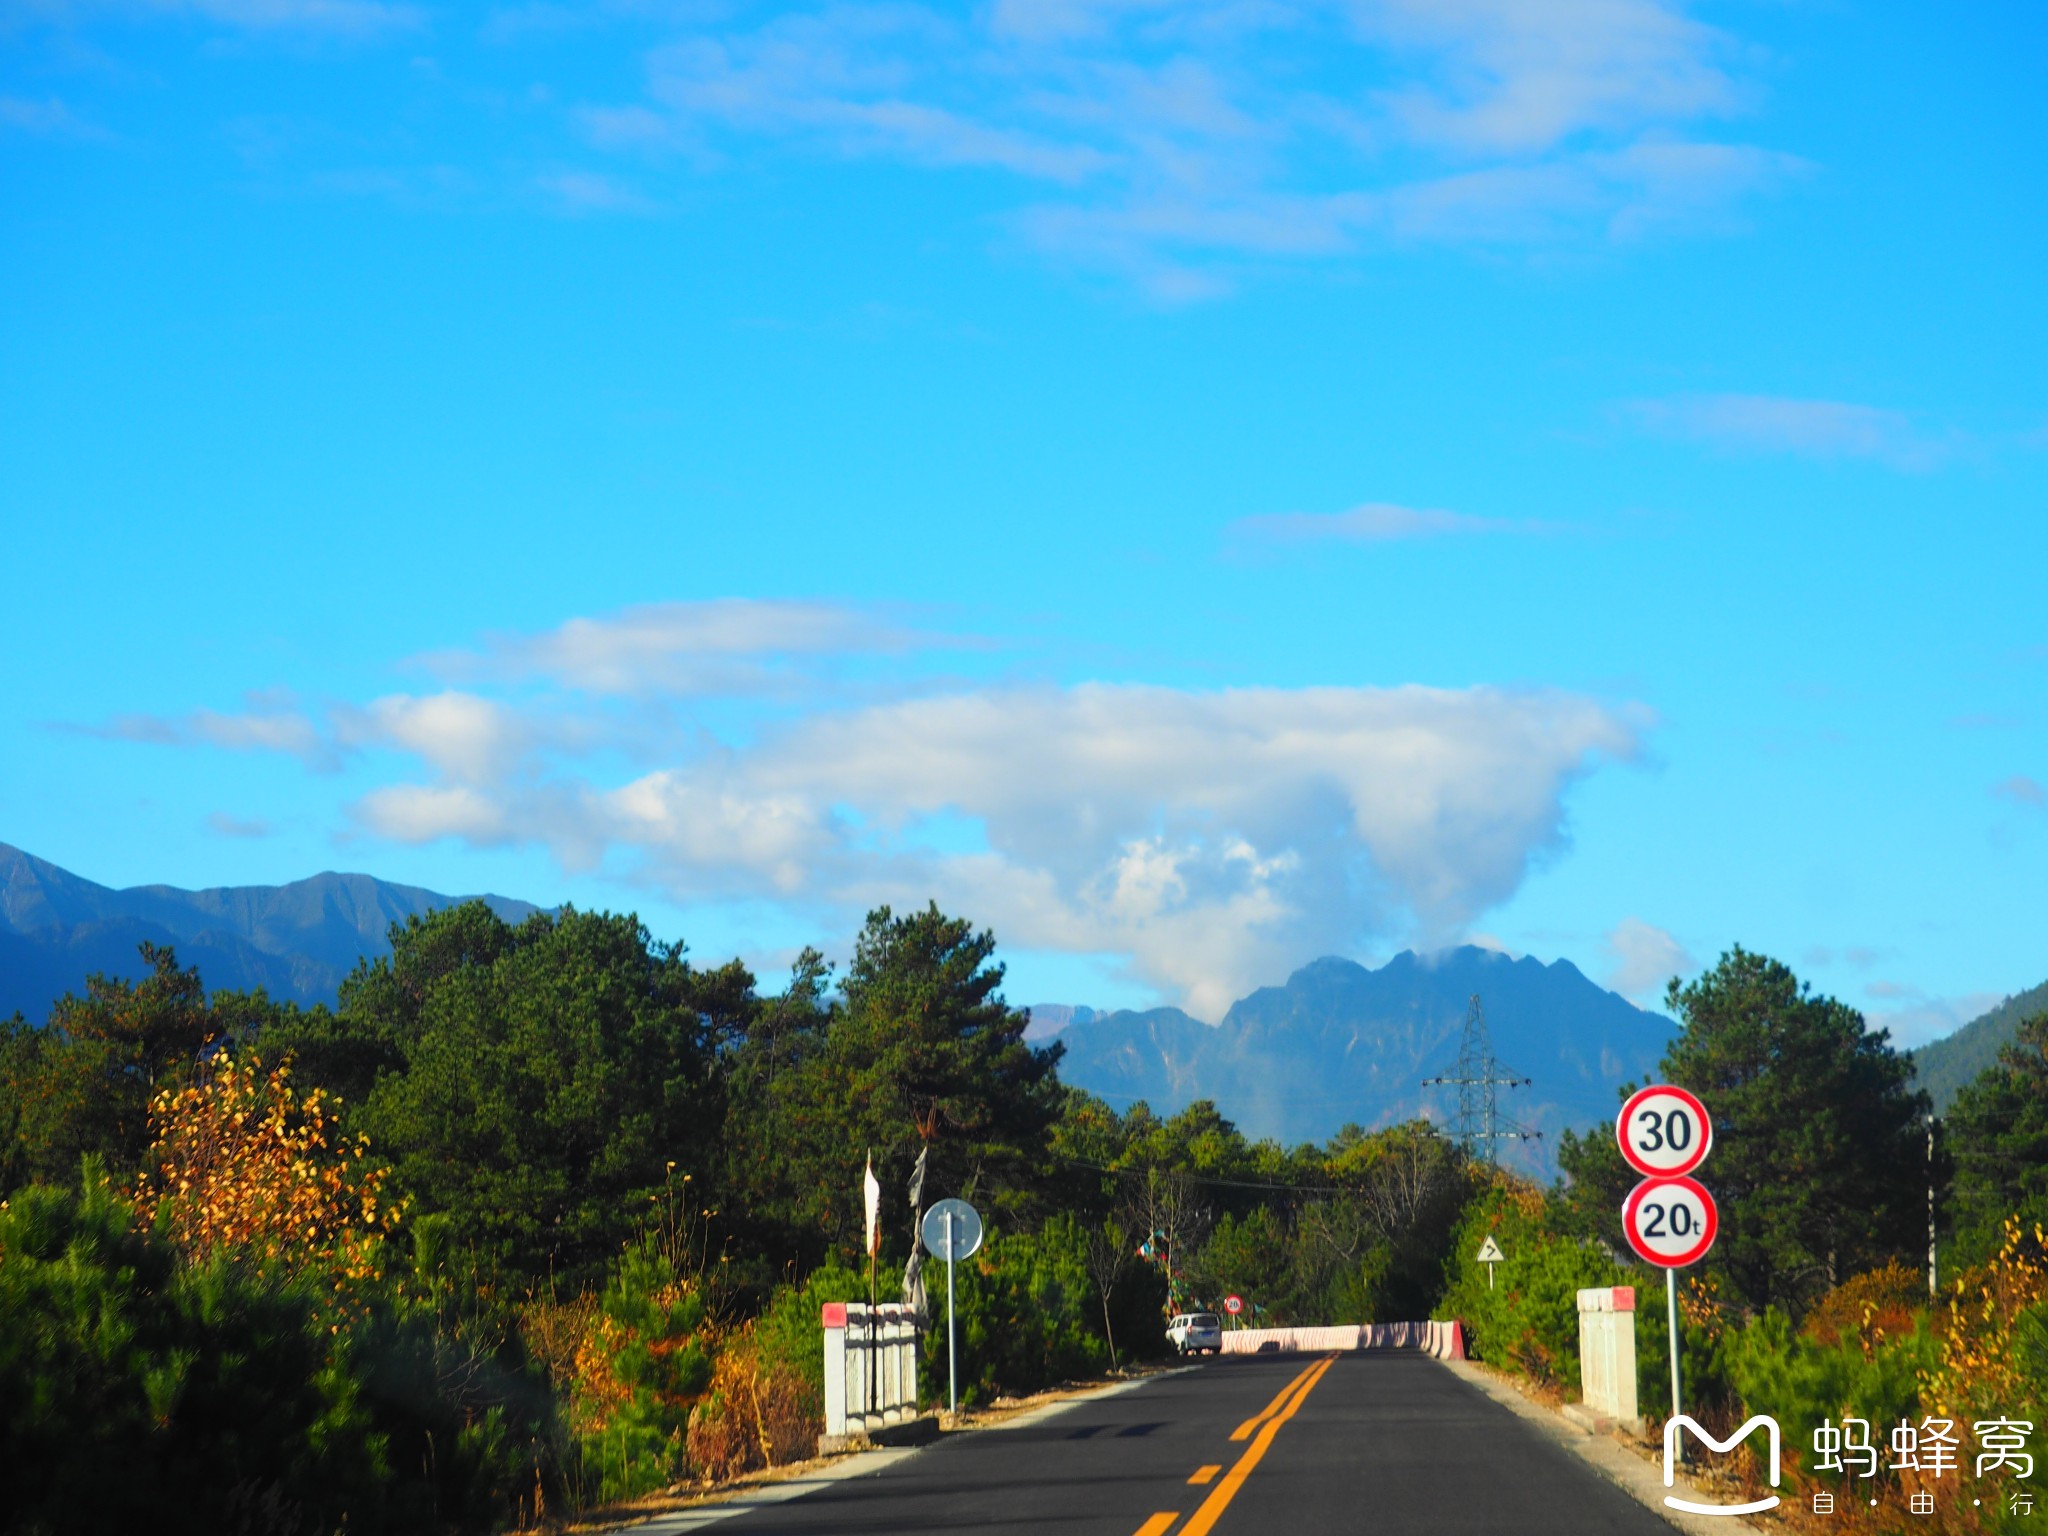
point(1446, 1341)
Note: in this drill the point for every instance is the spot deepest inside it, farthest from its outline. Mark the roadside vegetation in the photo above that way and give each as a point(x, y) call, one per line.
point(1814, 1305)
point(541, 1217)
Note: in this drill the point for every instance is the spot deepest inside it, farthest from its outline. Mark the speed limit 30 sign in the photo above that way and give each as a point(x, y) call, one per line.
point(1670, 1222)
point(1664, 1131)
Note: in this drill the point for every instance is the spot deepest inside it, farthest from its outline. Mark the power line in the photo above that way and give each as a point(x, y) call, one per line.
point(1204, 1178)
point(1267, 1096)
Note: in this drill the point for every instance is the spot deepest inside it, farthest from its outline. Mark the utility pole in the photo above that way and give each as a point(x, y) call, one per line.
point(1933, 1286)
point(1477, 1077)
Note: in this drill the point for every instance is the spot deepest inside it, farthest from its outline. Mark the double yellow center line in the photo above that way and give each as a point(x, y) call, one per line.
point(1245, 1430)
point(1260, 1429)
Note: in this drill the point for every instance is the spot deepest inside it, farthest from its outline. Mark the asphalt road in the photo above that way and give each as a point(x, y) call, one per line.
point(1366, 1443)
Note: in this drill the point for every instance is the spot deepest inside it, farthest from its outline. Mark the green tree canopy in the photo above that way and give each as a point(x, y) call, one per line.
point(1998, 1137)
point(919, 1052)
point(931, 1055)
point(1819, 1164)
point(533, 1083)
point(82, 1084)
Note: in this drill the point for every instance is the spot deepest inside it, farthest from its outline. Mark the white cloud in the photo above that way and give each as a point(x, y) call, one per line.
point(1859, 956)
point(1923, 1019)
point(845, 78)
point(48, 118)
point(630, 127)
point(510, 24)
point(1211, 839)
point(1375, 522)
point(1822, 429)
point(237, 826)
point(1645, 958)
point(469, 739)
point(339, 18)
point(1171, 141)
point(267, 731)
point(419, 813)
point(347, 16)
point(1514, 76)
point(268, 725)
point(465, 737)
point(727, 645)
point(577, 192)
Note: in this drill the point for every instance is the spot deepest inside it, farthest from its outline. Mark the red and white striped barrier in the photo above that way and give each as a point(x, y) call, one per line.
point(1254, 1341)
point(1446, 1341)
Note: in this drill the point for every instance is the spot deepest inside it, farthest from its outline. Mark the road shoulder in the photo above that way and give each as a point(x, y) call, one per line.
point(1640, 1479)
point(761, 1490)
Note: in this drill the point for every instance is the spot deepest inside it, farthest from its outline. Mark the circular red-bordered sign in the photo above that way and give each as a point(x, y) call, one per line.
point(1233, 1305)
point(1664, 1132)
point(1670, 1222)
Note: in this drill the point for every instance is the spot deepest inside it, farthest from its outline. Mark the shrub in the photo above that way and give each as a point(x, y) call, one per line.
point(1993, 1360)
point(642, 1360)
point(1526, 1319)
point(757, 1413)
point(789, 1334)
point(1881, 1304)
point(1803, 1382)
point(244, 1166)
point(137, 1392)
point(1028, 1315)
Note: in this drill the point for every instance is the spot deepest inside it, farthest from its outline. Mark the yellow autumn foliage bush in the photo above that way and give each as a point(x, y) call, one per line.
point(241, 1163)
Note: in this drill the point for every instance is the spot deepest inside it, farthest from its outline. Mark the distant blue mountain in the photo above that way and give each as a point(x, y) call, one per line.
point(295, 941)
point(1943, 1066)
point(1343, 1044)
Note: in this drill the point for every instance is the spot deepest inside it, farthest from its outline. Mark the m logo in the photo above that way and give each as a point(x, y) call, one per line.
point(1686, 1421)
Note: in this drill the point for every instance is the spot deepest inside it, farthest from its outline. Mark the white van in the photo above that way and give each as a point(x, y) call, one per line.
point(1193, 1332)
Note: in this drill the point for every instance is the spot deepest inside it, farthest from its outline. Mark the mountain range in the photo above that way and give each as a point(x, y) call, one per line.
point(1946, 1064)
point(295, 941)
point(1337, 1043)
point(1343, 1044)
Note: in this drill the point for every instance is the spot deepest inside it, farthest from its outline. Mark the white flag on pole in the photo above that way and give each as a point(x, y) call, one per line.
point(872, 1188)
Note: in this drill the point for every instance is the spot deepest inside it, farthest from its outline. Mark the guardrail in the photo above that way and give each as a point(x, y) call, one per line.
point(1446, 1341)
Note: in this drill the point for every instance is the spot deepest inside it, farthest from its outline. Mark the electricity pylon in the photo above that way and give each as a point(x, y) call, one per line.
point(1477, 1076)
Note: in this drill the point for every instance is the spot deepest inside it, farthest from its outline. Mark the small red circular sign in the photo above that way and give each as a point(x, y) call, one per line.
point(1670, 1222)
point(1233, 1305)
point(1663, 1131)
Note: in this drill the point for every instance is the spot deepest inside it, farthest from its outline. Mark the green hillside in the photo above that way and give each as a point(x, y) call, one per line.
point(1947, 1064)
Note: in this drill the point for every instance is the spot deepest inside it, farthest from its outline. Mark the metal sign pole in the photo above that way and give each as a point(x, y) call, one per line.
point(1671, 1298)
point(952, 1370)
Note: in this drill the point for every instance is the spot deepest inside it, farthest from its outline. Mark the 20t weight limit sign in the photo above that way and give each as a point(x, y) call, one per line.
point(1664, 1131)
point(1670, 1222)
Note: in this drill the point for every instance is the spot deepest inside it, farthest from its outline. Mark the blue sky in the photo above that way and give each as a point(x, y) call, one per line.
point(1191, 485)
